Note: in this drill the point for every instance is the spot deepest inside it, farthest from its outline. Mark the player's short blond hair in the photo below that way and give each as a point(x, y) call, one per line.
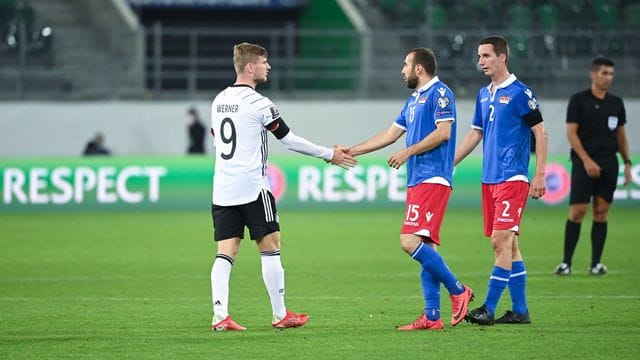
point(246, 53)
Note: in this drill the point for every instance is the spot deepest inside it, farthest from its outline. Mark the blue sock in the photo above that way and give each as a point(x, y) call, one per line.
point(517, 286)
point(431, 291)
point(497, 282)
point(434, 263)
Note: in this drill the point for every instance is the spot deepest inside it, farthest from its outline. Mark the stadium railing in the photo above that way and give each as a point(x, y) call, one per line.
point(192, 62)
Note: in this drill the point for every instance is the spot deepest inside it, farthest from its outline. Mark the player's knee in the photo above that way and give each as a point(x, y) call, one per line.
point(270, 242)
point(600, 211)
point(229, 251)
point(500, 242)
point(408, 243)
point(600, 215)
point(576, 214)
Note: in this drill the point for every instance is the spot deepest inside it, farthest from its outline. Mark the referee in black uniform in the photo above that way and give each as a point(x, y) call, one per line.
point(595, 129)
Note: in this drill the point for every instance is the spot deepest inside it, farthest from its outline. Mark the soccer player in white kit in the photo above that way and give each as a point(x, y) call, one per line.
point(240, 120)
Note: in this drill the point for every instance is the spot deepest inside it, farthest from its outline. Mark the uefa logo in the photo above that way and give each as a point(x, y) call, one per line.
point(277, 181)
point(558, 183)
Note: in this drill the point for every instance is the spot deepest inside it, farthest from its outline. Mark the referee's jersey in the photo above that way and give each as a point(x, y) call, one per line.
point(598, 121)
point(239, 116)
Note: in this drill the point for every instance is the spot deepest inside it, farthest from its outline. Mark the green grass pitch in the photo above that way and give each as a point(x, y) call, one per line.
point(136, 285)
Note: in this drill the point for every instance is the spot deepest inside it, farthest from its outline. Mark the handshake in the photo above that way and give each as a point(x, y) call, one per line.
point(343, 157)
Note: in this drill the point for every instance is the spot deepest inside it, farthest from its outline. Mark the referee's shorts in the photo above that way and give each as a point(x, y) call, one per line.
point(584, 187)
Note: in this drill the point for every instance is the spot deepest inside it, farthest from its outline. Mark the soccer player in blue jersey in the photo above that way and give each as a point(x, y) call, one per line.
point(428, 118)
point(506, 112)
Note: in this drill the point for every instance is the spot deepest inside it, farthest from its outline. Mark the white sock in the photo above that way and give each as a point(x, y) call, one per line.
point(220, 273)
point(273, 276)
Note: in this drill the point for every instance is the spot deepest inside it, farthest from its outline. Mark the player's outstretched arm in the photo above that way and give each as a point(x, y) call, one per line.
point(383, 139)
point(342, 157)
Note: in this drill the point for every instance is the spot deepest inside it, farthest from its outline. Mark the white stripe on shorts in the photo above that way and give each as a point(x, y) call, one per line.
point(266, 202)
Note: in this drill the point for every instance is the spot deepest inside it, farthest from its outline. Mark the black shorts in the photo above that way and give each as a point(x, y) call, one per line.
point(260, 216)
point(584, 187)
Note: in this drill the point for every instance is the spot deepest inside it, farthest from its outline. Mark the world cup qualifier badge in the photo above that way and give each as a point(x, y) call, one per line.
point(274, 112)
point(443, 101)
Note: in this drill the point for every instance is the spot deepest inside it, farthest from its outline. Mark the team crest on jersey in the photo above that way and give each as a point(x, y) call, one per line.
point(504, 99)
point(274, 112)
point(422, 100)
point(533, 104)
point(443, 102)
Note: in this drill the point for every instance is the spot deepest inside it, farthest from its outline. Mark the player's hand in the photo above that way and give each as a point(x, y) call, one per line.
point(627, 175)
point(396, 160)
point(592, 168)
point(342, 157)
point(538, 187)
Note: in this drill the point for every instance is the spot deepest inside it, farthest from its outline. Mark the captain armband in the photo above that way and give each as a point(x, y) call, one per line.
point(533, 118)
point(279, 128)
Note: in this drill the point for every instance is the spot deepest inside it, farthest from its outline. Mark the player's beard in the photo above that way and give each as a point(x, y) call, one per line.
point(412, 80)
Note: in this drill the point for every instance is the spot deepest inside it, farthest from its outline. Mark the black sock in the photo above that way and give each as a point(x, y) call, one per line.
point(598, 236)
point(571, 236)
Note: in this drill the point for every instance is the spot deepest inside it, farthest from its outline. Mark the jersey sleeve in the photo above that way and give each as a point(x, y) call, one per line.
point(573, 110)
point(623, 114)
point(445, 109)
point(267, 111)
point(401, 120)
point(526, 102)
point(476, 122)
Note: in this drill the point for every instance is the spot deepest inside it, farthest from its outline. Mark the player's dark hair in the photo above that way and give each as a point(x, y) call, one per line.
point(246, 53)
point(500, 44)
point(426, 58)
point(599, 62)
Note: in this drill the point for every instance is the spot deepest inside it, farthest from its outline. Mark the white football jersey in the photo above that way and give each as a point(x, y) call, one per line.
point(239, 116)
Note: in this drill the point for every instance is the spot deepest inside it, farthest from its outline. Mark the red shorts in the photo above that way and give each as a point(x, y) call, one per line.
point(503, 205)
point(426, 204)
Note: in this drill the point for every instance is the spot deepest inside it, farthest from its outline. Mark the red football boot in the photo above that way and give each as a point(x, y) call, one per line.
point(291, 320)
point(422, 323)
point(227, 324)
point(459, 305)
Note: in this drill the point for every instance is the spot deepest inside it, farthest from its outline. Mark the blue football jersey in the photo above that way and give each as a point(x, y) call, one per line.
point(506, 135)
point(427, 106)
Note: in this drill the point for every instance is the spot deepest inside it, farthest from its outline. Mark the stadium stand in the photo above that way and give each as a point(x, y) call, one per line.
point(96, 54)
point(181, 48)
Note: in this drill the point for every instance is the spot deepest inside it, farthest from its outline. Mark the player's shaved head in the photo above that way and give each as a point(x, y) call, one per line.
point(246, 53)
